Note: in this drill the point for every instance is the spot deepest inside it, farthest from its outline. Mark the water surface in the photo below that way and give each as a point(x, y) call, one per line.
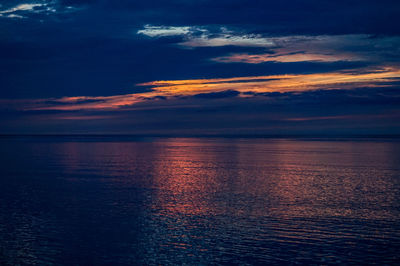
point(96, 201)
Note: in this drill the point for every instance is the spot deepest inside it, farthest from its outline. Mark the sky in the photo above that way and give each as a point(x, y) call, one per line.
point(204, 67)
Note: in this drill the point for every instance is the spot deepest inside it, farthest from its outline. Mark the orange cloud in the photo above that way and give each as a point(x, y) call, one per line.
point(273, 83)
point(258, 84)
point(285, 58)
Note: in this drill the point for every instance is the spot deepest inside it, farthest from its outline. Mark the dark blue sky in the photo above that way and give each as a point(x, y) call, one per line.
point(227, 67)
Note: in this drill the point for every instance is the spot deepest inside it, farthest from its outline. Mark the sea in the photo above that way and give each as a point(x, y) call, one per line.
point(114, 200)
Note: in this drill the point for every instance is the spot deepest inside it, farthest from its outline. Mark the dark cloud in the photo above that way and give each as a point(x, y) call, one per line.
point(360, 96)
point(217, 95)
point(358, 111)
point(80, 101)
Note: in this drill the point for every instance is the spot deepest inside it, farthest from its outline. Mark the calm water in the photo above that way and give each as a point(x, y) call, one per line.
point(99, 201)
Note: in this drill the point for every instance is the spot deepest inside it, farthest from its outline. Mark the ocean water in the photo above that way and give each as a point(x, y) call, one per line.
point(124, 201)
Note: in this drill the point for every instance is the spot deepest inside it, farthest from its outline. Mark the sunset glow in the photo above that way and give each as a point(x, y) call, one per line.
point(258, 84)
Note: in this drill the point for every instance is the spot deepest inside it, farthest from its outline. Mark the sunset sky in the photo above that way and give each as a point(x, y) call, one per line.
point(200, 67)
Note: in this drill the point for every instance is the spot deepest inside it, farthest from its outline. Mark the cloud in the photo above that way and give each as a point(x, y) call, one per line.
point(18, 11)
point(163, 31)
point(361, 110)
point(22, 7)
point(23, 10)
point(217, 95)
point(284, 58)
point(218, 88)
point(345, 117)
point(284, 49)
point(334, 48)
point(202, 37)
point(227, 39)
point(276, 83)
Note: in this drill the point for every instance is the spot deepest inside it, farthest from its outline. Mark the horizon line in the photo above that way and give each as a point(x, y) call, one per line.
point(261, 136)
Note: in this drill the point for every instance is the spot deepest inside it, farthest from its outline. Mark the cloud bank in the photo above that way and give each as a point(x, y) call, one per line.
point(219, 88)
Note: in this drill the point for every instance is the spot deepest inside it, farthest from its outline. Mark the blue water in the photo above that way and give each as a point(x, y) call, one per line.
point(122, 201)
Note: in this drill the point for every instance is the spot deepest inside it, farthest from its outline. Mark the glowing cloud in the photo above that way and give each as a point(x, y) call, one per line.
point(324, 48)
point(285, 58)
point(243, 85)
point(275, 83)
